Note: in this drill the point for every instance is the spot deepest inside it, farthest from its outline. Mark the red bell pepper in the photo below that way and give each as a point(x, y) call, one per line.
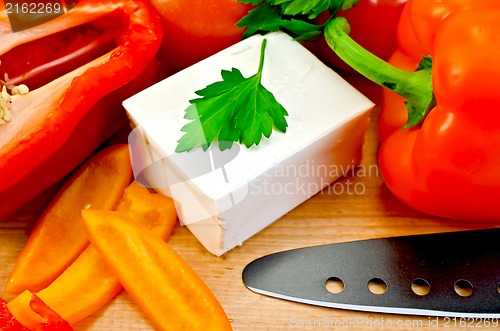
point(445, 162)
point(54, 321)
point(374, 27)
point(415, 39)
point(79, 67)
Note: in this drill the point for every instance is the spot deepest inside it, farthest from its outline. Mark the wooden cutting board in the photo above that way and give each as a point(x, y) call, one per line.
point(334, 215)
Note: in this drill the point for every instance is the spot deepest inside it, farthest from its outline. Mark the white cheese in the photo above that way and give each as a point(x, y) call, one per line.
point(224, 199)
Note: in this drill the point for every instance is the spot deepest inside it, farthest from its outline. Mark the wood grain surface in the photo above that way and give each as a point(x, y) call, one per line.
point(332, 216)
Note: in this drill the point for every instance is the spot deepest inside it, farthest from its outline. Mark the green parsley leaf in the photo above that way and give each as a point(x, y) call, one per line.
point(295, 17)
point(301, 29)
point(346, 4)
point(310, 8)
point(264, 18)
point(268, 18)
point(251, 2)
point(236, 109)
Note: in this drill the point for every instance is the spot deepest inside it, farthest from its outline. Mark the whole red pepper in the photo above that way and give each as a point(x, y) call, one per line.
point(79, 67)
point(445, 162)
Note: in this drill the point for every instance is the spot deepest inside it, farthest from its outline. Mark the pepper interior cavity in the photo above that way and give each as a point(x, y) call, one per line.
point(40, 61)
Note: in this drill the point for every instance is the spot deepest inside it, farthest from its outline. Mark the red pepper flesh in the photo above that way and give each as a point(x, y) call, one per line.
point(54, 322)
point(7, 321)
point(75, 105)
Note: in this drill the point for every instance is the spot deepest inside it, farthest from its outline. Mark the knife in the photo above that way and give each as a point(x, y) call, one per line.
point(453, 274)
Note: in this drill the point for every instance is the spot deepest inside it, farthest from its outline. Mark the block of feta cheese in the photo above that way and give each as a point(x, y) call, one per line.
point(224, 198)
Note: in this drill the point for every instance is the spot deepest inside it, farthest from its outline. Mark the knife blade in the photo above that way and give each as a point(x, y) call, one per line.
point(445, 274)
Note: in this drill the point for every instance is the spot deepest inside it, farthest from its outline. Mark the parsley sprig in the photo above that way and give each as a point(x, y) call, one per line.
point(295, 17)
point(239, 109)
point(236, 109)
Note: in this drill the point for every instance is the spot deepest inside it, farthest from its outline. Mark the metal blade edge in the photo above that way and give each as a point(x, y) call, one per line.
point(375, 309)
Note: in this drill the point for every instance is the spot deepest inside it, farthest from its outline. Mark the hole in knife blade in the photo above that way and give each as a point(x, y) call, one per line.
point(463, 288)
point(334, 285)
point(420, 287)
point(377, 286)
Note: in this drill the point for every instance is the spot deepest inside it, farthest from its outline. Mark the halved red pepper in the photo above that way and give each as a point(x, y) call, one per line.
point(79, 67)
point(445, 163)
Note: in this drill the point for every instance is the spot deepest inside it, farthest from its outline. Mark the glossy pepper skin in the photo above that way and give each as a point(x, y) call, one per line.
point(88, 283)
point(182, 302)
point(95, 53)
point(99, 183)
point(416, 39)
point(447, 165)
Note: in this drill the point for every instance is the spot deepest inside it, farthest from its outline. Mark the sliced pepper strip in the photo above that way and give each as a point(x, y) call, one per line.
point(45, 118)
point(162, 284)
point(88, 283)
point(58, 237)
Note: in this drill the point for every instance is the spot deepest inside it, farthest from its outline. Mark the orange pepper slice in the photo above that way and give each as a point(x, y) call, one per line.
point(88, 283)
point(162, 284)
point(59, 237)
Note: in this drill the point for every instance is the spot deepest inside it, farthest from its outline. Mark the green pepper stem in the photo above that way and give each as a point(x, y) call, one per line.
point(415, 86)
